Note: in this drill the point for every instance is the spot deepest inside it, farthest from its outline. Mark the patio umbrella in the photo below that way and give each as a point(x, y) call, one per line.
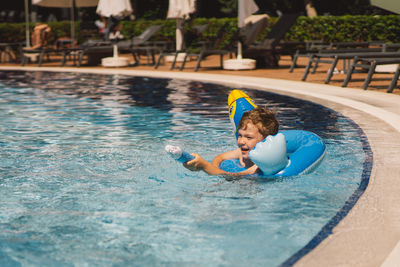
point(67, 4)
point(390, 5)
point(115, 9)
point(245, 9)
point(180, 10)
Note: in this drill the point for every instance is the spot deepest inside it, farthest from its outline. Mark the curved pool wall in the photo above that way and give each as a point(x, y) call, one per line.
point(369, 234)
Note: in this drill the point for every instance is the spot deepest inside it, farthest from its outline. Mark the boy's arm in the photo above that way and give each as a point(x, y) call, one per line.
point(198, 163)
point(234, 154)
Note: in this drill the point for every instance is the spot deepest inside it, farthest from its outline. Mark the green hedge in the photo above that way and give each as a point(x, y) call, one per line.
point(326, 28)
point(347, 28)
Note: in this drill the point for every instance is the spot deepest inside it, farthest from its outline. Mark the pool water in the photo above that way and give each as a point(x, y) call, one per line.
point(85, 180)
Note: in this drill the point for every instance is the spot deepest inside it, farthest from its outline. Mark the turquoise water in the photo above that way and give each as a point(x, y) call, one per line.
point(84, 179)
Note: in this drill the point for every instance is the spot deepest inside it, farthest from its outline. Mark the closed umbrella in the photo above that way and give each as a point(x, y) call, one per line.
point(245, 9)
point(67, 4)
point(114, 8)
point(117, 9)
point(390, 5)
point(180, 10)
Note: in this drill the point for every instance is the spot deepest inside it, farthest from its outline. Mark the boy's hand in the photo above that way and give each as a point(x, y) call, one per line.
point(196, 164)
point(252, 170)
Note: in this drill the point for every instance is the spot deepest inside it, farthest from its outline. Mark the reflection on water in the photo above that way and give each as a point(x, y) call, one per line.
point(193, 97)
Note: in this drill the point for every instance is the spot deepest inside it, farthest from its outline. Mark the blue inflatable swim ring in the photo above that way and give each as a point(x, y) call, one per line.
point(304, 149)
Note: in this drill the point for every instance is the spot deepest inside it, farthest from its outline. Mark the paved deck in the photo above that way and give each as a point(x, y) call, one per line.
point(369, 235)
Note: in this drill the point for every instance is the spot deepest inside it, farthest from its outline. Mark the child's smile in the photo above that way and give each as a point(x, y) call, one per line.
point(249, 136)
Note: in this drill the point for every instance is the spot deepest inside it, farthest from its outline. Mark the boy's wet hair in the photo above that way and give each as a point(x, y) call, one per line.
point(263, 118)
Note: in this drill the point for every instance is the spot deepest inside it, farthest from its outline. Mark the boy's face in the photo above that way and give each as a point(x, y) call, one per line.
point(249, 136)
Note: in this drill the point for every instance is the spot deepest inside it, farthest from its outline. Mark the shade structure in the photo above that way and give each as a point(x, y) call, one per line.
point(117, 9)
point(67, 4)
point(245, 9)
point(390, 5)
point(180, 10)
point(114, 8)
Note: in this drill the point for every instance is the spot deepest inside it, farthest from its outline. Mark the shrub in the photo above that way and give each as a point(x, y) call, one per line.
point(326, 28)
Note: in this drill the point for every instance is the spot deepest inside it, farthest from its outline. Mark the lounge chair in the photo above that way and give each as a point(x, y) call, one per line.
point(370, 63)
point(268, 51)
point(332, 56)
point(254, 26)
point(209, 48)
point(338, 48)
point(38, 50)
point(315, 47)
point(395, 79)
point(170, 49)
point(310, 47)
point(141, 44)
point(95, 50)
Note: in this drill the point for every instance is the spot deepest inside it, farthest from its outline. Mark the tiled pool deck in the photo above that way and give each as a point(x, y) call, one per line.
point(370, 233)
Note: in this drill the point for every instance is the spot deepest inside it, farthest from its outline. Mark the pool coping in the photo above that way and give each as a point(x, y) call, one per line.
point(369, 234)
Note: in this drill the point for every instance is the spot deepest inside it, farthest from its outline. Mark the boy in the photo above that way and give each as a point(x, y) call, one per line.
point(255, 125)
